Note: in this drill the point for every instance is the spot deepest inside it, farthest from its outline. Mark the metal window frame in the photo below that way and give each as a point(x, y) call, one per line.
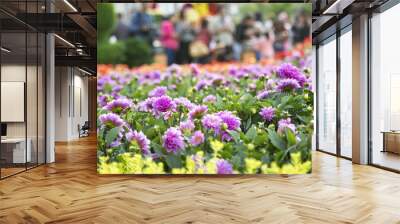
point(339, 32)
point(381, 9)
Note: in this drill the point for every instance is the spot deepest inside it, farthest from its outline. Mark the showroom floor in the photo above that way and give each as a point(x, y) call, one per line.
point(387, 159)
point(70, 191)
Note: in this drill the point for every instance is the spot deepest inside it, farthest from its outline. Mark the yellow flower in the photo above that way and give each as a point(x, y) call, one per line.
point(252, 165)
point(211, 166)
point(178, 171)
point(129, 164)
point(216, 146)
point(294, 167)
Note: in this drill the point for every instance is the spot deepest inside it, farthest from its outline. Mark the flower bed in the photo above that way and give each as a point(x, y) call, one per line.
point(187, 120)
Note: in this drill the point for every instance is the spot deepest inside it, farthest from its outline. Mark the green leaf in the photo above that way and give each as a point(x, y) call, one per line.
point(276, 140)
point(248, 124)
point(247, 99)
point(157, 149)
point(290, 136)
point(173, 161)
point(220, 102)
point(251, 133)
point(112, 135)
point(235, 135)
point(285, 156)
point(261, 139)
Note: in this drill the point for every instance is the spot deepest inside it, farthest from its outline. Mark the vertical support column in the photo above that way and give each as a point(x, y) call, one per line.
point(50, 92)
point(360, 90)
point(50, 99)
point(338, 96)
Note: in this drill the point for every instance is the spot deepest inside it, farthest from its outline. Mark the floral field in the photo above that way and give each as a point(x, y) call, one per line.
point(228, 119)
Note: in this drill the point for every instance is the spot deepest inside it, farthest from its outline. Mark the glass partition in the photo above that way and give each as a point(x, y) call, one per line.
point(346, 93)
point(13, 94)
point(327, 96)
point(22, 101)
point(385, 89)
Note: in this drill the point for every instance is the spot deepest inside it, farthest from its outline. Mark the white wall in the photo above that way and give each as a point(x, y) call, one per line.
point(71, 94)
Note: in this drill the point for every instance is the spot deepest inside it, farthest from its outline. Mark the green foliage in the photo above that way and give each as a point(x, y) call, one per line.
point(132, 51)
point(106, 20)
point(137, 52)
point(108, 53)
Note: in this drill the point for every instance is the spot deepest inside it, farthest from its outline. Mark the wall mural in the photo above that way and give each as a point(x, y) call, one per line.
point(204, 88)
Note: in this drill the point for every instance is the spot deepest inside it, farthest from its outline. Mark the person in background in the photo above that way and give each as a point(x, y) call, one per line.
point(186, 34)
point(168, 39)
point(281, 43)
point(242, 36)
point(122, 30)
point(259, 22)
point(203, 38)
point(264, 46)
point(222, 28)
point(141, 25)
point(300, 29)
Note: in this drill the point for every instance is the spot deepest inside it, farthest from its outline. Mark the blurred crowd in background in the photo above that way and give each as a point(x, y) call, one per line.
point(207, 32)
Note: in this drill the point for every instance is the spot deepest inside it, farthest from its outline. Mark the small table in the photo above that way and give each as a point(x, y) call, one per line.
point(391, 141)
point(17, 150)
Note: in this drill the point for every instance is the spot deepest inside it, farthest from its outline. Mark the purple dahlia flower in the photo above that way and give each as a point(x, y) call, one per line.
point(195, 69)
point(287, 85)
point(141, 139)
point(174, 68)
point(102, 100)
point(201, 84)
point(158, 91)
point(263, 94)
point(186, 126)
point(184, 102)
point(163, 104)
point(197, 138)
point(211, 121)
point(111, 120)
point(119, 105)
point(197, 111)
point(267, 113)
point(224, 167)
point(270, 84)
point(288, 71)
point(173, 140)
point(210, 99)
point(146, 105)
point(232, 123)
point(229, 119)
point(117, 88)
point(103, 81)
point(285, 123)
